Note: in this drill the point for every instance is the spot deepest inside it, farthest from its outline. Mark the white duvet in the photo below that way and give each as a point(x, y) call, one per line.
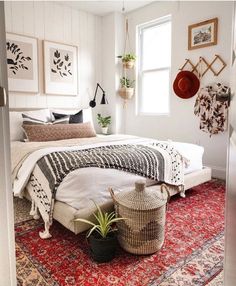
point(82, 185)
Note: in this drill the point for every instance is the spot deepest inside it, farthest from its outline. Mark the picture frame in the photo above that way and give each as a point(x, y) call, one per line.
point(203, 34)
point(22, 63)
point(60, 68)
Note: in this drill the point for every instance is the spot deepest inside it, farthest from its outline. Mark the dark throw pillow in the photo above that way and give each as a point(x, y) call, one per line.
point(73, 118)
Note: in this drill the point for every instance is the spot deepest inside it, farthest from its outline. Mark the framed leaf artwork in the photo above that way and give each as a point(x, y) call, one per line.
point(60, 68)
point(22, 63)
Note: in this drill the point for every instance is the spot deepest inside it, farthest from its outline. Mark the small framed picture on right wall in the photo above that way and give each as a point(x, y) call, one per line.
point(203, 34)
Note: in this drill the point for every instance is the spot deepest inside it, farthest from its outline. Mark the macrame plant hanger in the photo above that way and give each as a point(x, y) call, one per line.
point(126, 40)
point(126, 94)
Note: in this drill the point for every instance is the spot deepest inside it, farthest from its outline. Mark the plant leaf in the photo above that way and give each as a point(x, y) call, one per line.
point(85, 221)
point(91, 230)
point(115, 220)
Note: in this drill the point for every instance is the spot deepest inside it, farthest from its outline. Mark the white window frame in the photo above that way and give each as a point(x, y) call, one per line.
point(140, 71)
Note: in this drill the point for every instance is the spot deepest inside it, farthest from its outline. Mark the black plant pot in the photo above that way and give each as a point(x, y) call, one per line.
point(103, 249)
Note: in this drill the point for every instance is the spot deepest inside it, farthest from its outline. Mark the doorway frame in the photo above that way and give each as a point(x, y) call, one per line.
point(7, 235)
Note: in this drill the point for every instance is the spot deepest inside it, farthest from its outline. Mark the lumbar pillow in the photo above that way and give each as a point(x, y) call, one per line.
point(73, 118)
point(50, 132)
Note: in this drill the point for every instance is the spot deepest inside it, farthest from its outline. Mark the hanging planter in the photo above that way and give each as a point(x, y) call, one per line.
point(127, 90)
point(128, 60)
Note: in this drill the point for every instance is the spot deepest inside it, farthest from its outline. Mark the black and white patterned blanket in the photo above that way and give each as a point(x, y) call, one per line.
point(147, 160)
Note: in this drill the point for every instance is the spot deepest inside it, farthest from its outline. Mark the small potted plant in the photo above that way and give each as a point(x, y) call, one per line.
point(102, 236)
point(128, 60)
point(104, 122)
point(127, 88)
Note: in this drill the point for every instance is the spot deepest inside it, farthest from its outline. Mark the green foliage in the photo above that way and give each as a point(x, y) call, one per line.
point(125, 82)
point(127, 57)
point(103, 121)
point(104, 221)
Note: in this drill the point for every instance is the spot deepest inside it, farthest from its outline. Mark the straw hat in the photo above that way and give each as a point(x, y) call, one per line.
point(186, 84)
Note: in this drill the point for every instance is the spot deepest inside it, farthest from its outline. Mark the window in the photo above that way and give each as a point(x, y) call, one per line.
point(154, 61)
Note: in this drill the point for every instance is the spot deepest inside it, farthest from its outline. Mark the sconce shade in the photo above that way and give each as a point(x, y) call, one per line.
point(104, 100)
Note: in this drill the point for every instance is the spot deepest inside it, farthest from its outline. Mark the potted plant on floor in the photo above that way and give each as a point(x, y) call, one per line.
point(104, 122)
point(128, 60)
point(102, 236)
point(127, 90)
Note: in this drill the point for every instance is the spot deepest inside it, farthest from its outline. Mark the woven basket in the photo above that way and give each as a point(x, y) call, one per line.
point(142, 231)
point(129, 64)
point(126, 92)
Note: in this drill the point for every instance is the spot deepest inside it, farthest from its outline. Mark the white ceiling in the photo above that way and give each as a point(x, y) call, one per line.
point(102, 8)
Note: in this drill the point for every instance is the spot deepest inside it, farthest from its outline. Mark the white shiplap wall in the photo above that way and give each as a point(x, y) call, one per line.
point(58, 23)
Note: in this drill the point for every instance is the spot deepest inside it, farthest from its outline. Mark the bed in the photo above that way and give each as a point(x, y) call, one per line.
point(80, 186)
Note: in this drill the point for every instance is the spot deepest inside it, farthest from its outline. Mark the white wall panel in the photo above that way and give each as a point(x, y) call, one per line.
point(60, 23)
point(67, 25)
point(55, 22)
point(28, 19)
point(83, 53)
point(17, 17)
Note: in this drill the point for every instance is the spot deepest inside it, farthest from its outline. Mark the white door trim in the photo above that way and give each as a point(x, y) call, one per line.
point(7, 238)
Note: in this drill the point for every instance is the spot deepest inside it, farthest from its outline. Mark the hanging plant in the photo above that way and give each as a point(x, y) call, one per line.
point(128, 60)
point(127, 88)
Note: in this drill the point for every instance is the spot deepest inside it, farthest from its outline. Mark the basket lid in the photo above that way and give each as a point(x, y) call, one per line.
point(141, 198)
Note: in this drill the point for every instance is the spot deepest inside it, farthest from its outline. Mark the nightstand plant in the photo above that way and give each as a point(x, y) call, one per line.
point(104, 122)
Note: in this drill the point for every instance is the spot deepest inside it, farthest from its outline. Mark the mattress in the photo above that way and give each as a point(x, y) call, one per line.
point(82, 186)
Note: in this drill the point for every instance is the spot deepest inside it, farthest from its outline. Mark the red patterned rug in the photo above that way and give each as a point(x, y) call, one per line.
point(192, 253)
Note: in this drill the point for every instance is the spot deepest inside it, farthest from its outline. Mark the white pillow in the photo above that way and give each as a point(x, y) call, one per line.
point(87, 115)
point(16, 132)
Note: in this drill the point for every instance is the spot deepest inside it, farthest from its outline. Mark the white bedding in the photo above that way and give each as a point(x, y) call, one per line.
point(82, 185)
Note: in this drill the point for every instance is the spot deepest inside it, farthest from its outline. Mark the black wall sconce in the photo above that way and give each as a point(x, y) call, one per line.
point(92, 103)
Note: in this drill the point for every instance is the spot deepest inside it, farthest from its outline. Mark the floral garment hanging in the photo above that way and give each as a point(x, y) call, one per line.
point(212, 111)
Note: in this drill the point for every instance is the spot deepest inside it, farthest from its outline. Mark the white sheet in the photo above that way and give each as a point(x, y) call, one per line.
point(82, 185)
point(193, 153)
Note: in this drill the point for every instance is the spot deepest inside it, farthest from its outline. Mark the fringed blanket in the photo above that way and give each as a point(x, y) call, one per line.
point(157, 161)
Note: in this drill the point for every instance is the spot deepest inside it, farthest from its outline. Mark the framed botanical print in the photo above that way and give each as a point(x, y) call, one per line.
point(60, 69)
point(202, 34)
point(22, 63)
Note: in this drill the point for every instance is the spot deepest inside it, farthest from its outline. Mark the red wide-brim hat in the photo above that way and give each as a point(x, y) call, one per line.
point(186, 84)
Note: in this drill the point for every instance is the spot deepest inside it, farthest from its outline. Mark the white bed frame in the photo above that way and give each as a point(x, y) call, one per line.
point(66, 214)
